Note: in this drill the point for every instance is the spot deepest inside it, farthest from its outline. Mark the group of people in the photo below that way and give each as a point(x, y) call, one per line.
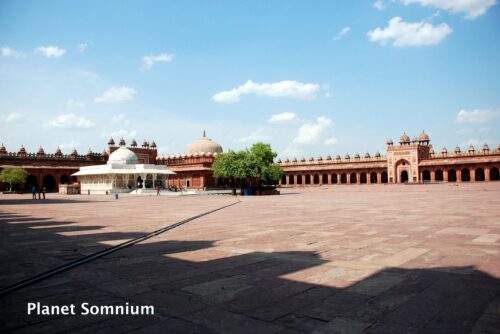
point(40, 192)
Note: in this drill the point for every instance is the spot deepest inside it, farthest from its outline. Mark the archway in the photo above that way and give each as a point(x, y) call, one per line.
point(362, 178)
point(283, 180)
point(343, 178)
point(316, 179)
point(465, 175)
point(64, 179)
point(384, 177)
point(308, 179)
point(373, 177)
point(290, 179)
point(299, 179)
point(324, 179)
point(404, 177)
point(149, 181)
point(49, 182)
point(31, 181)
point(74, 179)
point(452, 175)
point(140, 181)
point(426, 176)
point(353, 178)
point(439, 175)
point(479, 174)
point(494, 174)
point(335, 179)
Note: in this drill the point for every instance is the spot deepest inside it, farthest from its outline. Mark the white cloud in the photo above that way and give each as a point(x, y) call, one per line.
point(331, 141)
point(311, 133)
point(379, 5)
point(13, 117)
point(51, 51)
point(254, 137)
point(70, 121)
point(471, 8)
point(130, 134)
point(410, 34)
point(9, 52)
point(72, 104)
point(285, 88)
point(476, 116)
point(149, 61)
point(82, 47)
point(283, 117)
point(341, 33)
point(117, 94)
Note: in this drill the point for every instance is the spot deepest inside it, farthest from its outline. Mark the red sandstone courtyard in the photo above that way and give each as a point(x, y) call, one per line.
point(338, 259)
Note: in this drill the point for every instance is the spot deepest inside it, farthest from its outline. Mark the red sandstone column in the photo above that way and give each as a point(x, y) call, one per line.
point(472, 175)
point(487, 174)
point(433, 176)
point(459, 175)
point(379, 177)
point(348, 176)
point(329, 178)
point(445, 176)
point(358, 178)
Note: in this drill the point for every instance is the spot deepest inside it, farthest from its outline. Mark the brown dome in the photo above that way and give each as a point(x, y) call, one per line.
point(457, 150)
point(404, 138)
point(22, 150)
point(204, 144)
point(111, 141)
point(377, 155)
point(423, 136)
point(367, 155)
point(40, 151)
point(133, 143)
point(3, 150)
point(153, 144)
point(122, 142)
point(58, 152)
point(390, 142)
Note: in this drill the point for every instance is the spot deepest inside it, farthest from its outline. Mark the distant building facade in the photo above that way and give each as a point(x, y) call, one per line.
point(412, 161)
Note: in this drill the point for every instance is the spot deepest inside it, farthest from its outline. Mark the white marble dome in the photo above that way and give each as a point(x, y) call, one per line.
point(123, 156)
point(204, 145)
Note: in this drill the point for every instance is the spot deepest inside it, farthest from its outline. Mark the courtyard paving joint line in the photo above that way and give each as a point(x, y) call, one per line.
point(49, 273)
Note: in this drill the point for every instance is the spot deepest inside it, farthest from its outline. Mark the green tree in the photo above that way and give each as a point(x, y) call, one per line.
point(248, 166)
point(13, 175)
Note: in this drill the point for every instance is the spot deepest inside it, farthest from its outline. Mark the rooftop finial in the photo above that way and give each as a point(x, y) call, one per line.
point(204, 134)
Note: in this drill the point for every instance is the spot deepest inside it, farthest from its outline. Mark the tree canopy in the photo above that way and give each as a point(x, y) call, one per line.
point(255, 163)
point(13, 175)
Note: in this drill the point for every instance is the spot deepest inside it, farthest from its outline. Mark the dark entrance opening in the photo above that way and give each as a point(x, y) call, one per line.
point(404, 177)
point(384, 177)
point(426, 176)
point(452, 175)
point(465, 175)
point(324, 179)
point(49, 182)
point(316, 179)
point(343, 178)
point(479, 174)
point(439, 176)
point(373, 177)
point(494, 174)
point(362, 178)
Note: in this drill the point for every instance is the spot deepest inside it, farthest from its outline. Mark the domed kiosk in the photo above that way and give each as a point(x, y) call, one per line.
point(123, 174)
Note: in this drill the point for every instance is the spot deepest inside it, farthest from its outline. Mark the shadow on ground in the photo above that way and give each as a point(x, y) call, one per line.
point(244, 293)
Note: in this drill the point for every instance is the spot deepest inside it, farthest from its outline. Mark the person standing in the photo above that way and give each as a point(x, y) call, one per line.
point(33, 191)
point(43, 192)
point(158, 190)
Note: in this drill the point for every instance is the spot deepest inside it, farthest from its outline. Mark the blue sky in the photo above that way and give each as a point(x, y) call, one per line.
point(311, 78)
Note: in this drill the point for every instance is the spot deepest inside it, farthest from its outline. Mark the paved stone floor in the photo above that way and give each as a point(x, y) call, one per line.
point(339, 259)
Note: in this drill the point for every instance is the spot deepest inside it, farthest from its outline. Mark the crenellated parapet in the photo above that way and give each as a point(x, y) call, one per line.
point(41, 155)
point(328, 160)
